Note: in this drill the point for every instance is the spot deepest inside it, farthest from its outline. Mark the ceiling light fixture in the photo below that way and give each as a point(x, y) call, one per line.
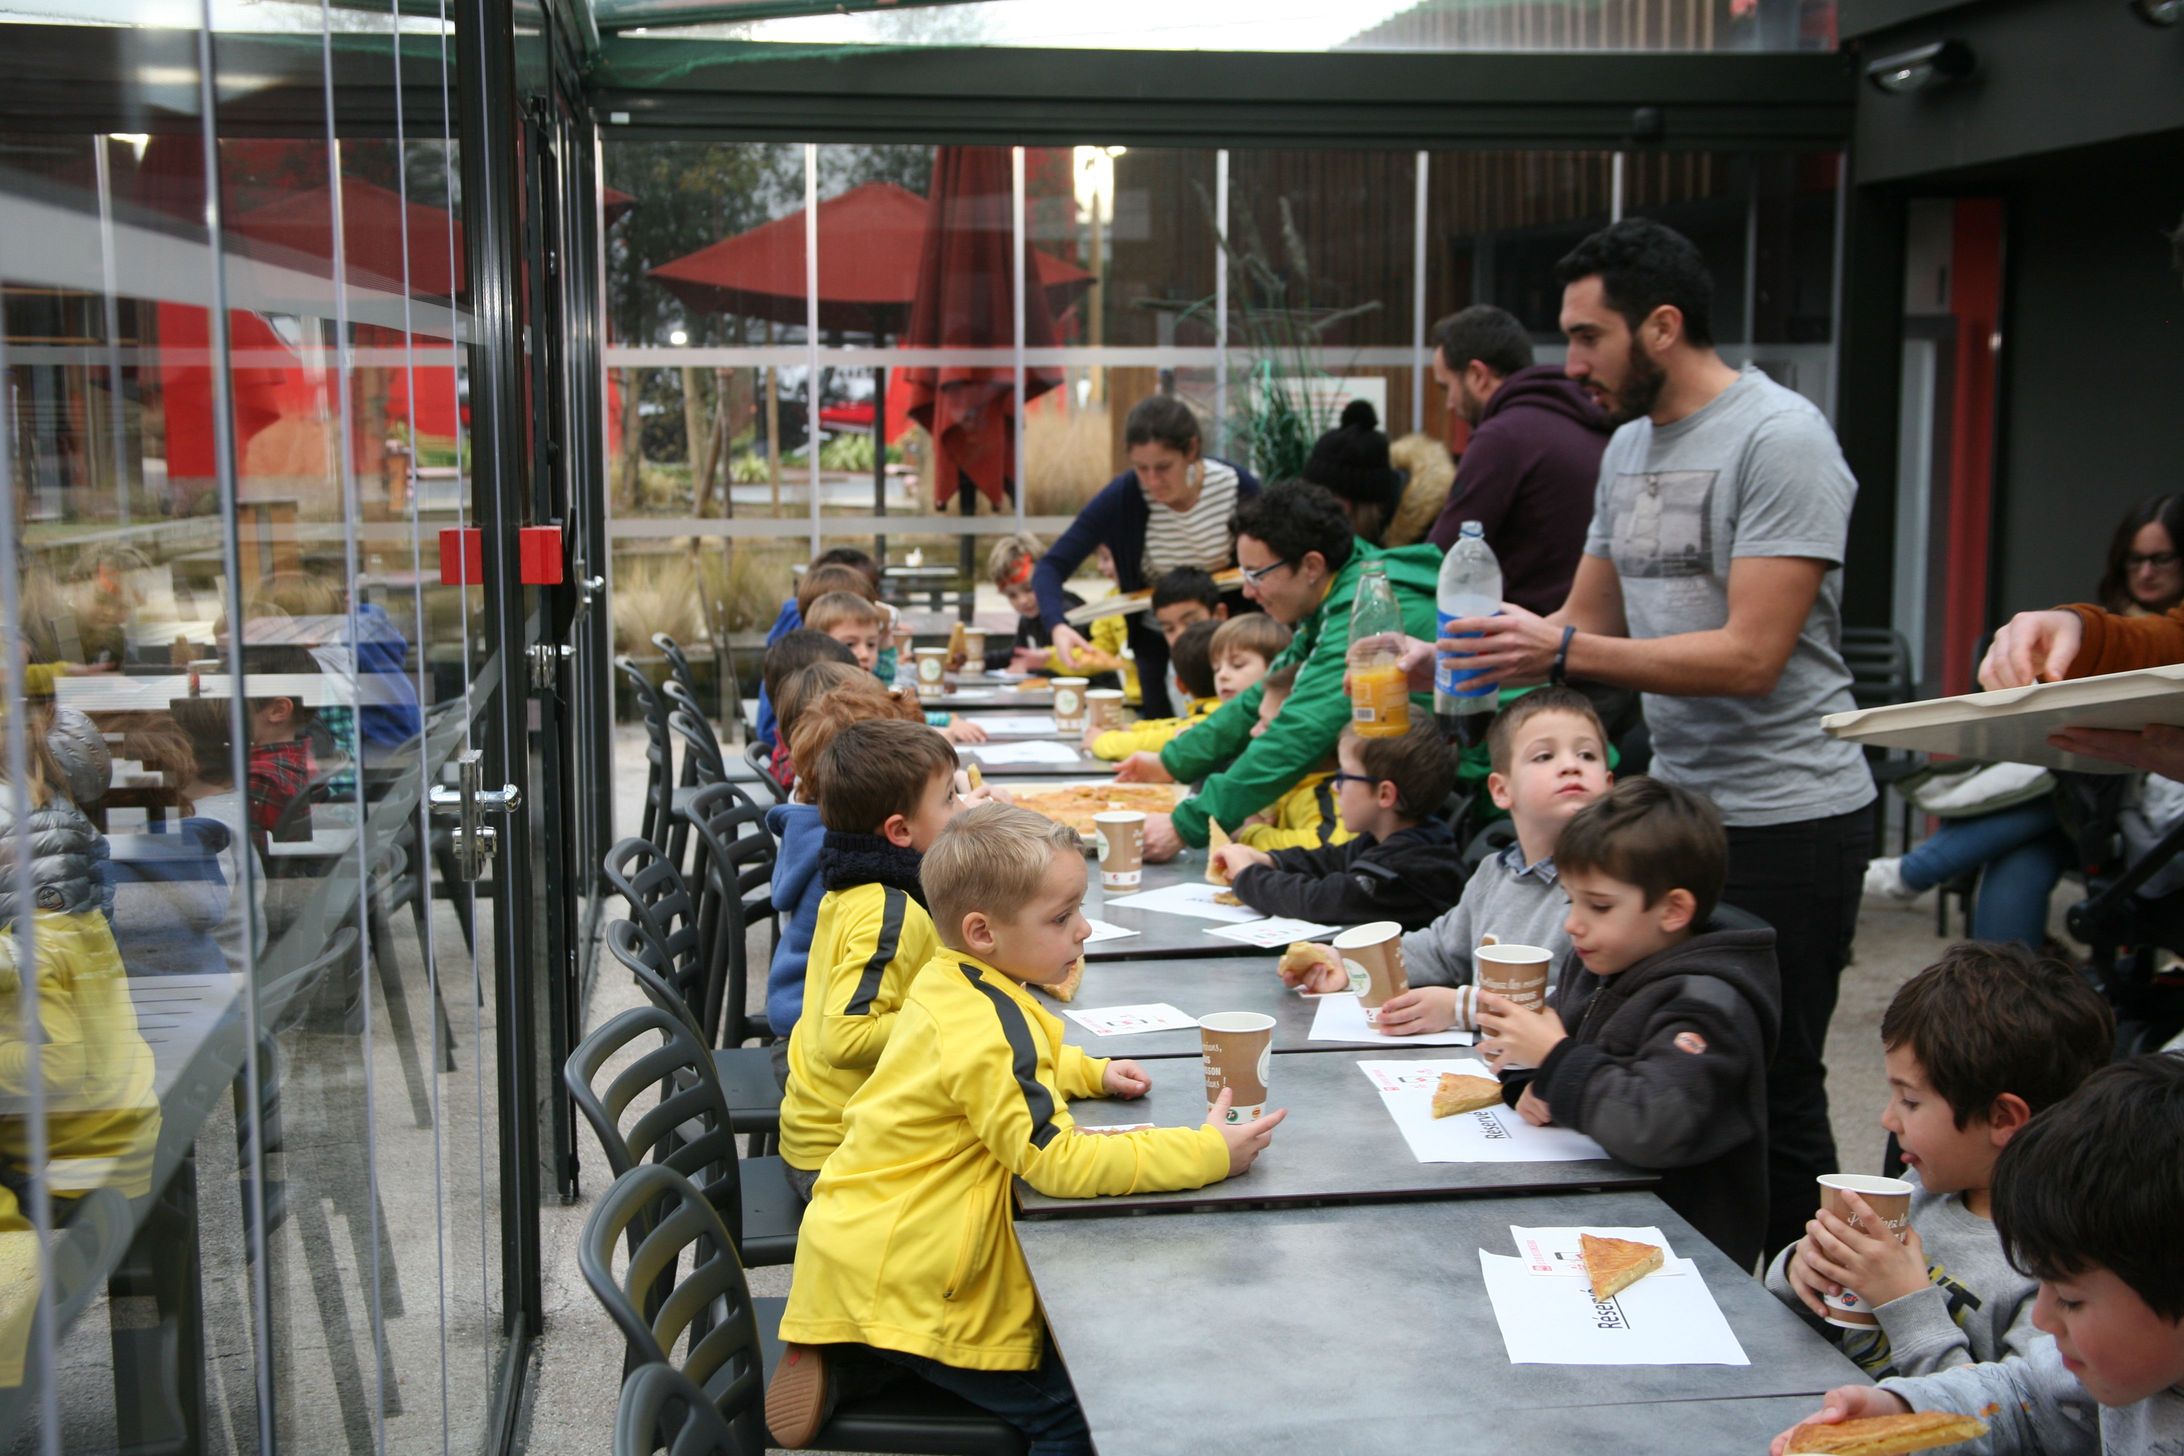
point(1921, 69)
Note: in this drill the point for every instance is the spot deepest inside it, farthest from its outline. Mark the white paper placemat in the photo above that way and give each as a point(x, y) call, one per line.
point(1017, 725)
point(1101, 930)
point(995, 755)
point(1490, 1135)
point(1555, 1252)
point(1654, 1322)
point(1124, 1020)
point(1273, 931)
point(1193, 899)
point(1341, 1017)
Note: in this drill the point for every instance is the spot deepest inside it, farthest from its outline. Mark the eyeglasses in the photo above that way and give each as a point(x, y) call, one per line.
point(2159, 561)
point(1338, 779)
point(1254, 575)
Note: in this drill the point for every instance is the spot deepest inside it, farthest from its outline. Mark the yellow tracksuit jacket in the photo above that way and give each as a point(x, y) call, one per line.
point(866, 948)
point(1152, 734)
point(1110, 635)
point(909, 1244)
point(1303, 818)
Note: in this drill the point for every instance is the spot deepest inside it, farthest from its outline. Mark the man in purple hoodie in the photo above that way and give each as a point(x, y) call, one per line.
point(1533, 463)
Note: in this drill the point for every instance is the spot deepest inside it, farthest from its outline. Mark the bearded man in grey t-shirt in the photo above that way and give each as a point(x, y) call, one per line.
point(1712, 583)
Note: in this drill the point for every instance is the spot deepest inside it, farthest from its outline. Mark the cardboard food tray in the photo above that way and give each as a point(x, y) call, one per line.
point(1084, 830)
point(2012, 725)
point(1129, 603)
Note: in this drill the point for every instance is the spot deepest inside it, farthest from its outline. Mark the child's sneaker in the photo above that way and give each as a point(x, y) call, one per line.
point(800, 1398)
point(1884, 877)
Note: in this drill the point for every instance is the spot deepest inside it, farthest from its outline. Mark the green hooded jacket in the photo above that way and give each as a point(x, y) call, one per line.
point(1244, 774)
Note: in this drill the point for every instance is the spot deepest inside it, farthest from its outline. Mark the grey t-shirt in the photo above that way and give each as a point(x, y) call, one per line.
point(1756, 472)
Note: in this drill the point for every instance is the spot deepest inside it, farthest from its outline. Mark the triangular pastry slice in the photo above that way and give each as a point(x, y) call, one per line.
point(1614, 1265)
point(1457, 1093)
point(1885, 1435)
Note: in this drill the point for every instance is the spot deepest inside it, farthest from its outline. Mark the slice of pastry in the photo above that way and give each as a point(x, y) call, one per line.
point(1457, 1093)
point(1302, 957)
point(1065, 990)
point(1227, 897)
point(1216, 838)
point(1885, 1435)
point(1614, 1265)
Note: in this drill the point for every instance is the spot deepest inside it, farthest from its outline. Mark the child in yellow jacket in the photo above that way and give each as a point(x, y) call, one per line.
point(885, 791)
point(908, 1255)
point(1305, 817)
point(1192, 658)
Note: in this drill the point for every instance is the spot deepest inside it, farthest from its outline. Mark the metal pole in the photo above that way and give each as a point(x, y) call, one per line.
point(1423, 361)
point(1220, 303)
point(811, 331)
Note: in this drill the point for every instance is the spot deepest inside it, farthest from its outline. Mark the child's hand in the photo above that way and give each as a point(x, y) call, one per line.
point(1525, 1035)
point(1872, 1263)
point(1848, 1403)
point(1142, 768)
point(1091, 731)
point(1419, 1010)
point(962, 730)
point(1811, 1289)
point(1246, 1140)
point(987, 793)
point(1320, 977)
point(1533, 1109)
point(1125, 1079)
point(1234, 859)
point(1027, 659)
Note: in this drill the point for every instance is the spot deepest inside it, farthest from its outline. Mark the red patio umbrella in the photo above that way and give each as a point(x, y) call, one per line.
point(966, 300)
point(372, 230)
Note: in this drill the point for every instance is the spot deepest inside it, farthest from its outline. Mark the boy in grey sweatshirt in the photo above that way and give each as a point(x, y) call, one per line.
point(1550, 759)
point(2088, 1199)
point(1976, 1044)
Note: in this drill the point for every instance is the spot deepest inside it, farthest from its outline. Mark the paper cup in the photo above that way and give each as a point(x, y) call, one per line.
point(1518, 972)
point(1121, 837)
point(974, 649)
point(1373, 955)
point(1069, 704)
point(1103, 709)
point(1888, 1197)
point(1238, 1047)
point(932, 666)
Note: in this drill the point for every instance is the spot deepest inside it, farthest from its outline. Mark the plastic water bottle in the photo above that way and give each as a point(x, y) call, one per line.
point(1470, 586)
point(1379, 697)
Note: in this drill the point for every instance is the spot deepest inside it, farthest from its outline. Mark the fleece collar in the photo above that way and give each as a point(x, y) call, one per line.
point(849, 860)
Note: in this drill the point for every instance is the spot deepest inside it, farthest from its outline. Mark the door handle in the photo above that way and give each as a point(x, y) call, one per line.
point(466, 803)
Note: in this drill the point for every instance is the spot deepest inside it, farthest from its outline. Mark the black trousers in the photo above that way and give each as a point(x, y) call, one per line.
point(1805, 880)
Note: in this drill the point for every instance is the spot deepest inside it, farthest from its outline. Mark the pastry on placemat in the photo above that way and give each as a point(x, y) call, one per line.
point(1614, 1265)
point(1066, 988)
point(1884, 1435)
point(1457, 1093)
point(1227, 897)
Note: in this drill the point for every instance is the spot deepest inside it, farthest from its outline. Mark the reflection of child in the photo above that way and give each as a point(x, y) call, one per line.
point(2088, 1200)
point(1976, 1045)
point(1010, 564)
point(1666, 1066)
point(973, 1092)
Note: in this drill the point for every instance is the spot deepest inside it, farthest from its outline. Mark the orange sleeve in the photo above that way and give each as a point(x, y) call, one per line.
point(2125, 644)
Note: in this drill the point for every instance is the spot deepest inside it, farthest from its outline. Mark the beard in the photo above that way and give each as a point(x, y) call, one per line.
point(1641, 388)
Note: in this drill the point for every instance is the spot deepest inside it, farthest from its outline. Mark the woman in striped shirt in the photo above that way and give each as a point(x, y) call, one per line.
point(1171, 508)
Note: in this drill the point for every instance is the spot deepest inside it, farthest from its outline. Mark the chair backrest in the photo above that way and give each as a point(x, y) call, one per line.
point(734, 873)
point(662, 1411)
point(661, 903)
point(689, 1129)
point(678, 663)
point(659, 751)
point(286, 996)
point(639, 954)
point(706, 1308)
point(760, 759)
point(702, 762)
point(1879, 660)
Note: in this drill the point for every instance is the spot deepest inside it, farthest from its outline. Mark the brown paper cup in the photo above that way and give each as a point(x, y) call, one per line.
point(1888, 1197)
point(974, 649)
point(932, 666)
point(1238, 1047)
point(1121, 836)
point(1373, 955)
point(1103, 709)
point(1069, 705)
point(1518, 972)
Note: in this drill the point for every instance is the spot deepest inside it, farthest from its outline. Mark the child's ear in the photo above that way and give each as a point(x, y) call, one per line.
point(280, 710)
point(896, 831)
point(1497, 789)
point(978, 934)
point(1386, 794)
point(2007, 1118)
point(1676, 910)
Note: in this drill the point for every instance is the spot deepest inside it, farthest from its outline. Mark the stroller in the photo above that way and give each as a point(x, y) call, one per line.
point(2132, 940)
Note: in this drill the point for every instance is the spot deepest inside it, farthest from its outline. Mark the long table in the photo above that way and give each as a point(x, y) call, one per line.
point(1363, 1328)
point(1201, 985)
point(1159, 934)
point(1338, 1143)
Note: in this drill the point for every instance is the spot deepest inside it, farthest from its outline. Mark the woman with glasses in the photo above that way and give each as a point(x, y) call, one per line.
point(1171, 508)
point(2019, 850)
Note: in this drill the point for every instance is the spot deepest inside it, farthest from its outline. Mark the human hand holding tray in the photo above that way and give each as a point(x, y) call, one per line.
point(2012, 725)
point(1490, 1135)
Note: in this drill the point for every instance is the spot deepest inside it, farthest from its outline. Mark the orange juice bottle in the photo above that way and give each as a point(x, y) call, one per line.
point(1379, 696)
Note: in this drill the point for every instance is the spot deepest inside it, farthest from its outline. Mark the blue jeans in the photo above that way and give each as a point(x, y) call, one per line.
point(1040, 1403)
point(2019, 854)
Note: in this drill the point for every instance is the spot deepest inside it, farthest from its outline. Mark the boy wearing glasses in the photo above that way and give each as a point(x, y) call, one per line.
point(1404, 865)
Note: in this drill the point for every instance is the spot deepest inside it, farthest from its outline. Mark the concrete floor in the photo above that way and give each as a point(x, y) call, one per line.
point(578, 1365)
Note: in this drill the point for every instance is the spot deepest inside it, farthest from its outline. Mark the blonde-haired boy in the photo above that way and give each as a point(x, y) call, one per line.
point(908, 1254)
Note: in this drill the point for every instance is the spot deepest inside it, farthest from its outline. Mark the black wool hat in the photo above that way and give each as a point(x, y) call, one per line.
point(1352, 459)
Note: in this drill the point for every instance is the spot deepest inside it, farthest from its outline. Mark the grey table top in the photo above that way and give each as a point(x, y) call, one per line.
point(1338, 1144)
point(1158, 934)
point(1400, 1341)
point(978, 693)
point(1080, 768)
point(1199, 986)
